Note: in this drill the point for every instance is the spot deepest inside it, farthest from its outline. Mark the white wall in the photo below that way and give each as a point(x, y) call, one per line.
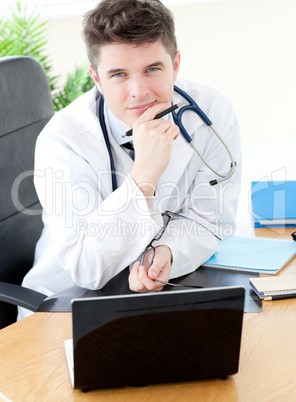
point(245, 48)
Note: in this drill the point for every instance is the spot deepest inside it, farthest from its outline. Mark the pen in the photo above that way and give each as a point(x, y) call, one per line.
point(177, 284)
point(281, 297)
point(158, 116)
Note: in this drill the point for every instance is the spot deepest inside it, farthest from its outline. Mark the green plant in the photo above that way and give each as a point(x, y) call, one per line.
point(77, 83)
point(22, 33)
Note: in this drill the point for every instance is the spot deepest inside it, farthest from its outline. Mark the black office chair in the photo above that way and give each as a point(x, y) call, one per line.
point(25, 108)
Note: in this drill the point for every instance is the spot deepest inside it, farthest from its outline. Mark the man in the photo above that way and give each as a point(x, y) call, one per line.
point(93, 231)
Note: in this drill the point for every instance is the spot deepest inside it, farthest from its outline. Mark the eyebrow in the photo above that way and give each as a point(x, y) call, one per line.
point(156, 64)
point(114, 71)
point(120, 70)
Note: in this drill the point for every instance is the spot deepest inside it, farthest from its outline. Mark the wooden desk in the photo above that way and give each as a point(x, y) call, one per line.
point(33, 364)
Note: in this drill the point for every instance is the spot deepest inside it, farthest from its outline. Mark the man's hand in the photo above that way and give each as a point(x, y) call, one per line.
point(152, 141)
point(142, 278)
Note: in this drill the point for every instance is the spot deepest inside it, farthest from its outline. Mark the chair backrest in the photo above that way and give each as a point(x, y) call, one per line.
point(25, 107)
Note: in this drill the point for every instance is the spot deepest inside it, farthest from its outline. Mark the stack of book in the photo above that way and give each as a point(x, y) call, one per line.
point(274, 288)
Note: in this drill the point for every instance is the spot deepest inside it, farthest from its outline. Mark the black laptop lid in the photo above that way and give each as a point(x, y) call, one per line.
point(147, 338)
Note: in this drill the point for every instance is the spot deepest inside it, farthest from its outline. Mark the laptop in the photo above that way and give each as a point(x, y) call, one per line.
point(151, 338)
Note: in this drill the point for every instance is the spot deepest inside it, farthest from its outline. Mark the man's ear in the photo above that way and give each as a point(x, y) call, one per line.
point(177, 63)
point(95, 77)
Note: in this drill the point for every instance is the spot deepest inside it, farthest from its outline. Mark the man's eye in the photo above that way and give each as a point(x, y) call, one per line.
point(118, 75)
point(152, 69)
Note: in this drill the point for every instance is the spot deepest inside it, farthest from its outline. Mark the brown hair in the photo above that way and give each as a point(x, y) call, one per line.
point(128, 21)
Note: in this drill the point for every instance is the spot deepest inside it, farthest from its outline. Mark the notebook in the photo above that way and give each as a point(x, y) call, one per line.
point(274, 286)
point(147, 338)
point(274, 203)
point(253, 254)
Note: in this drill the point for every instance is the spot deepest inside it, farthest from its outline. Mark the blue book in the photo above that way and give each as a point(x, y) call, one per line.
point(253, 254)
point(274, 203)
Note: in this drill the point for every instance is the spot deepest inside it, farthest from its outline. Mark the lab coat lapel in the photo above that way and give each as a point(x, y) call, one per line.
point(123, 162)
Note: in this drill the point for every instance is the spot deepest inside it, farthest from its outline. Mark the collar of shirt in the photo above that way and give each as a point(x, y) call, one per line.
point(116, 128)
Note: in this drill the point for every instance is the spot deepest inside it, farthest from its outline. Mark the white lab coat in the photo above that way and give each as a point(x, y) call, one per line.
point(92, 233)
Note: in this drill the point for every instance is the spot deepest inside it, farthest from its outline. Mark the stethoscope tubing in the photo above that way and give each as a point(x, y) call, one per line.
point(100, 113)
point(178, 121)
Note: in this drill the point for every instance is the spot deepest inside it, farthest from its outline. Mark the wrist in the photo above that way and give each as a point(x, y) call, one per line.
point(146, 185)
point(170, 254)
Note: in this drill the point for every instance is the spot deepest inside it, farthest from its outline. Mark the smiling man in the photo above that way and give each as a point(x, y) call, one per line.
point(89, 184)
point(137, 83)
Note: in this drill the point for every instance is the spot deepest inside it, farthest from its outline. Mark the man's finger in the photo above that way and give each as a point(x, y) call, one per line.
point(152, 111)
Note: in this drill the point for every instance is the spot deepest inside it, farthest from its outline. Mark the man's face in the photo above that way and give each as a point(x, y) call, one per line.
point(133, 78)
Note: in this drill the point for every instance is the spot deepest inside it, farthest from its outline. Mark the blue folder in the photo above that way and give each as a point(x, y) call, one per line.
point(274, 203)
point(253, 254)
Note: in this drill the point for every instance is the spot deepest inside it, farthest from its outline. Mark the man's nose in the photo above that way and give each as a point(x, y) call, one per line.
point(139, 88)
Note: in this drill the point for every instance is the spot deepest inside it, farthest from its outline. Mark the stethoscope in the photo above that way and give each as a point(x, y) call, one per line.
point(178, 121)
